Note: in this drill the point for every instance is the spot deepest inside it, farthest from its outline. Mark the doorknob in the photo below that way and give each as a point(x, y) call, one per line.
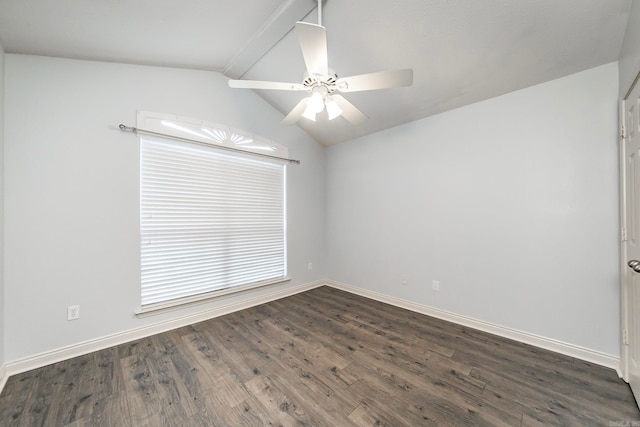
point(635, 265)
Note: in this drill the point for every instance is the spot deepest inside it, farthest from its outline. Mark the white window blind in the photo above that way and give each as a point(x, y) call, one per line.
point(209, 221)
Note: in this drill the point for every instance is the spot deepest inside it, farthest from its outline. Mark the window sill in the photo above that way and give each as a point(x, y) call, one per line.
point(178, 304)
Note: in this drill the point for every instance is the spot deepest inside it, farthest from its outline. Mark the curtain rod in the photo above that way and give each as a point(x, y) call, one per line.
point(193, 141)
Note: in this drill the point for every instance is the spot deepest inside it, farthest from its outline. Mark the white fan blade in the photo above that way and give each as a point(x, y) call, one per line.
point(296, 113)
point(313, 42)
point(349, 111)
point(373, 81)
point(257, 84)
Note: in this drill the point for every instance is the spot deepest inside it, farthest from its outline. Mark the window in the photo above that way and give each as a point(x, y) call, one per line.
point(210, 221)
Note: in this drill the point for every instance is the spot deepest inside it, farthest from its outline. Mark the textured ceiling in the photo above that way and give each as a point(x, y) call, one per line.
point(461, 51)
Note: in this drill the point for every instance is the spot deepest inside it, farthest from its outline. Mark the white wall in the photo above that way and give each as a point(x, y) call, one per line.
point(510, 203)
point(2, 300)
point(71, 213)
point(630, 53)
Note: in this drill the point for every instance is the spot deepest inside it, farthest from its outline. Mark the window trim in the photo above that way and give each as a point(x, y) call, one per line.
point(194, 300)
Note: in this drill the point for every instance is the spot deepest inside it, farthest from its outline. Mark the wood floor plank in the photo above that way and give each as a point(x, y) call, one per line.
point(203, 351)
point(234, 390)
point(315, 328)
point(80, 390)
point(140, 389)
point(248, 413)
point(306, 360)
point(434, 330)
point(323, 357)
point(315, 382)
point(234, 349)
point(321, 407)
point(19, 393)
point(362, 416)
point(47, 398)
point(411, 327)
point(384, 373)
point(545, 404)
point(321, 381)
point(109, 411)
point(280, 407)
point(171, 392)
point(388, 407)
point(414, 351)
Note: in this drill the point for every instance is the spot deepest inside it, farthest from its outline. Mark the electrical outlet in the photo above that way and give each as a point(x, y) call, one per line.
point(310, 266)
point(436, 285)
point(73, 312)
point(404, 279)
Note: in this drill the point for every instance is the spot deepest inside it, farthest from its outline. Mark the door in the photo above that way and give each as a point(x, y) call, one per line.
point(631, 247)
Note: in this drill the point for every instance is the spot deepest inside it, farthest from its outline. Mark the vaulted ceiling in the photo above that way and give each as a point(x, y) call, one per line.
point(461, 51)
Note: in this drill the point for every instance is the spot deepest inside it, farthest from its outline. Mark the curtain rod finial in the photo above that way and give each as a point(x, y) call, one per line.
point(127, 128)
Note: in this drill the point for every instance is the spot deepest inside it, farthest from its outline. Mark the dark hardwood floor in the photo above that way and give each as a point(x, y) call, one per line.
point(321, 358)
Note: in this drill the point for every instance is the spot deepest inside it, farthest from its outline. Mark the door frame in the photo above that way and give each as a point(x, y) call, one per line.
point(623, 370)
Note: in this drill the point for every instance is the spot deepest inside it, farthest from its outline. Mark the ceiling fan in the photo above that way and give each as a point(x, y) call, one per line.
point(322, 84)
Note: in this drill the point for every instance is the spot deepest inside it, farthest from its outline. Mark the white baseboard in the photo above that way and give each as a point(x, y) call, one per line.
point(3, 376)
point(571, 350)
point(79, 349)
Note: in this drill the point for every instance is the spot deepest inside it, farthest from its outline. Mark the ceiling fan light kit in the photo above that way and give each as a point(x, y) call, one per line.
point(316, 101)
point(333, 109)
point(321, 84)
point(310, 112)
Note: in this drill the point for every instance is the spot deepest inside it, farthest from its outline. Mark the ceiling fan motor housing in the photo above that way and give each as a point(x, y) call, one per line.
point(313, 82)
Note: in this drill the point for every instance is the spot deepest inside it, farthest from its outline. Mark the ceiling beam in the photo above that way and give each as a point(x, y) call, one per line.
point(271, 32)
